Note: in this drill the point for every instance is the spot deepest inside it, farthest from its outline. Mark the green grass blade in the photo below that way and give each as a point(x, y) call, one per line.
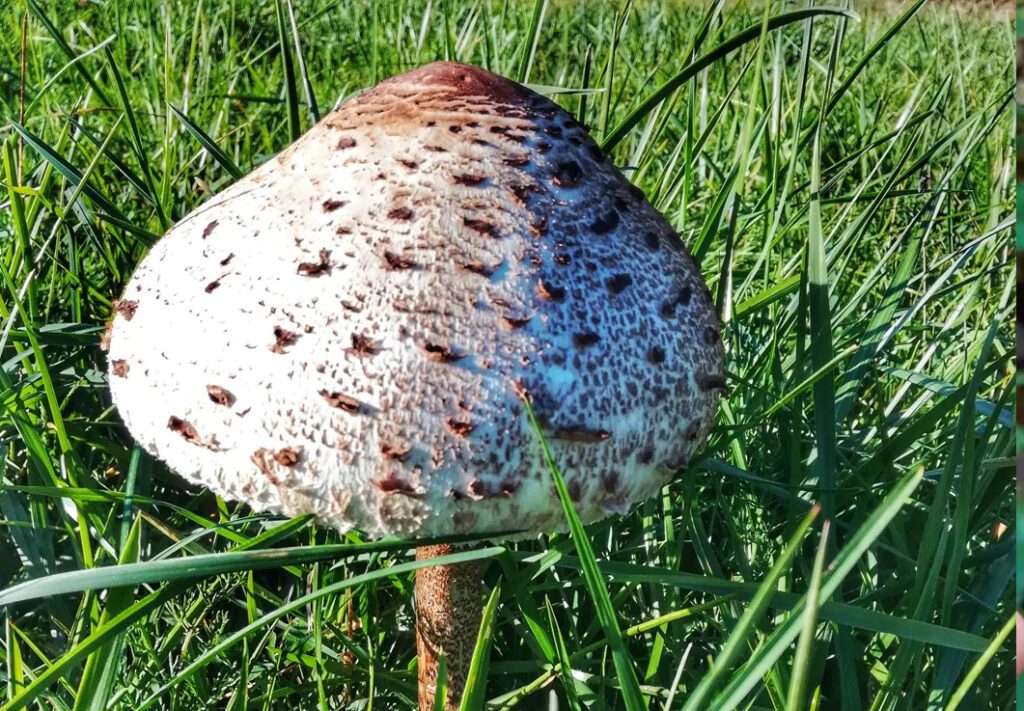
point(629, 684)
point(704, 61)
point(738, 638)
point(476, 678)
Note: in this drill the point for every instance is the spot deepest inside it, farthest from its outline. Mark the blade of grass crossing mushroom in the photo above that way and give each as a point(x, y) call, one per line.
point(298, 603)
point(208, 143)
point(737, 640)
point(771, 650)
point(629, 684)
point(802, 659)
point(476, 679)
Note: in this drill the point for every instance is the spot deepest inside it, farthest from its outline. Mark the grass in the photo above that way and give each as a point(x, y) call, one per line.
point(846, 540)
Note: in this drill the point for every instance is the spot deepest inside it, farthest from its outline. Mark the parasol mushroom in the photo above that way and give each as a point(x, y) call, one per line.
point(349, 332)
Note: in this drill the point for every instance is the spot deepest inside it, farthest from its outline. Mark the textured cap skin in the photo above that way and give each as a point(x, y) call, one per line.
point(349, 330)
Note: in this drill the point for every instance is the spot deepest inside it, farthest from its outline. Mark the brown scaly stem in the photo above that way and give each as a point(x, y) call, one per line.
point(448, 612)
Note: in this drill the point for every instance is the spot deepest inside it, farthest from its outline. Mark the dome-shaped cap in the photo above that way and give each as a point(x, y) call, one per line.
point(349, 330)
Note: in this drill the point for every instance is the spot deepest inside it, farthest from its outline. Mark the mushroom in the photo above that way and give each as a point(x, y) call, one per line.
point(350, 330)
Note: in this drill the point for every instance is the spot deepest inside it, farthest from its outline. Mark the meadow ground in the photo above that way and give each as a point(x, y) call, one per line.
point(847, 185)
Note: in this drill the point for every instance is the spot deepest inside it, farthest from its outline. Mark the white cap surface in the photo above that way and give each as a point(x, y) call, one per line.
point(348, 331)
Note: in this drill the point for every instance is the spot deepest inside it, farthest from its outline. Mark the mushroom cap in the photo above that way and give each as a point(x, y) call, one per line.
point(349, 331)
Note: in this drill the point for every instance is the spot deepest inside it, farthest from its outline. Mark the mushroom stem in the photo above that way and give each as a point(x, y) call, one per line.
point(448, 613)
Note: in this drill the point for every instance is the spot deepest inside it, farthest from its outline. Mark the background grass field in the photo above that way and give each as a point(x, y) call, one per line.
point(847, 185)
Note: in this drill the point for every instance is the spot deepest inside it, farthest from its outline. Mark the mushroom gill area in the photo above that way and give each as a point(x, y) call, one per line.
point(349, 330)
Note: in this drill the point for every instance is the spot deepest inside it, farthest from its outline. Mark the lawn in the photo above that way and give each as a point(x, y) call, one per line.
point(845, 179)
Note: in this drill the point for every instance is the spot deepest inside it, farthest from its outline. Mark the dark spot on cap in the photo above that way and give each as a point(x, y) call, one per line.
point(119, 368)
point(567, 174)
point(219, 395)
point(400, 213)
point(209, 228)
point(363, 346)
point(682, 298)
point(680, 460)
point(126, 307)
point(286, 457)
point(605, 223)
point(513, 322)
point(476, 488)
point(393, 484)
point(708, 383)
point(585, 339)
point(610, 481)
point(517, 161)
point(282, 338)
point(575, 490)
point(693, 430)
point(482, 226)
point(346, 142)
point(618, 283)
point(561, 258)
point(176, 424)
point(435, 149)
point(342, 230)
point(647, 454)
point(579, 433)
point(460, 428)
point(596, 154)
point(341, 401)
point(441, 353)
point(455, 129)
point(550, 291)
point(396, 261)
point(468, 179)
point(652, 240)
point(656, 355)
point(711, 335)
point(410, 164)
point(332, 205)
point(317, 268)
point(224, 262)
point(477, 266)
point(539, 225)
point(398, 453)
point(209, 288)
